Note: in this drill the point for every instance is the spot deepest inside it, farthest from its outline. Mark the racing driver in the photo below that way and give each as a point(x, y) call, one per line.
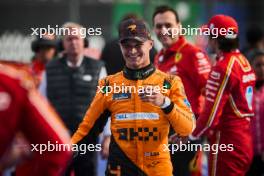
point(140, 119)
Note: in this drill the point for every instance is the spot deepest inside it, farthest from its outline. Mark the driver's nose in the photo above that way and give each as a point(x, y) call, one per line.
point(132, 50)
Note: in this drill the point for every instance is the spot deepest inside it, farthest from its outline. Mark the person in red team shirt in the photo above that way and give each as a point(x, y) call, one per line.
point(226, 117)
point(181, 58)
point(23, 110)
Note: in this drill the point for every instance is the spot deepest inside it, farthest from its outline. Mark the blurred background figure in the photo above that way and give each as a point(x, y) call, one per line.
point(70, 83)
point(23, 110)
point(96, 44)
point(255, 41)
point(257, 166)
point(44, 51)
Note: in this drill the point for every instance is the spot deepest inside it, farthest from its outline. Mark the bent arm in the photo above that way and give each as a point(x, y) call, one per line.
point(179, 112)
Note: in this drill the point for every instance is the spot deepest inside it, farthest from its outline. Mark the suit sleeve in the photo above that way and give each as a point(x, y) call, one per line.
point(96, 112)
point(216, 96)
point(179, 112)
point(202, 68)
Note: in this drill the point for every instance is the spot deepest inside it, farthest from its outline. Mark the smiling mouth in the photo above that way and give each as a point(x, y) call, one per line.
point(133, 56)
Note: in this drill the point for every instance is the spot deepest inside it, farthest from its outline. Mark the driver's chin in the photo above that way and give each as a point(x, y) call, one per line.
point(133, 65)
point(136, 63)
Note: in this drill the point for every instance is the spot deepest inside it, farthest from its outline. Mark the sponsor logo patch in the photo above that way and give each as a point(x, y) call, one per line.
point(186, 102)
point(249, 96)
point(147, 154)
point(121, 96)
point(141, 134)
point(249, 77)
point(215, 75)
point(137, 116)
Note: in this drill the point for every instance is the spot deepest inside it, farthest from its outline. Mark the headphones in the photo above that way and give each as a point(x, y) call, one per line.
point(60, 47)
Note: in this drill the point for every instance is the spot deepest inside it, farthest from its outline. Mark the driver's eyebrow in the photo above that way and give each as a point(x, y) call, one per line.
point(139, 44)
point(133, 45)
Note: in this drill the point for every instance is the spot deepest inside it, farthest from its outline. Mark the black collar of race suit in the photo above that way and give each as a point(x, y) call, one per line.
point(139, 74)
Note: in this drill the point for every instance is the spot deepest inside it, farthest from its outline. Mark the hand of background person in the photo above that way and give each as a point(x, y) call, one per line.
point(105, 147)
point(19, 150)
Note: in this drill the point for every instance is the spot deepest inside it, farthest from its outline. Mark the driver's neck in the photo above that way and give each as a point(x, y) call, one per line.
point(139, 73)
point(139, 67)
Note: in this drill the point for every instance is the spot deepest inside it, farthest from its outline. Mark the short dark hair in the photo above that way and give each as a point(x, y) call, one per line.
point(227, 45)
point(163, 9)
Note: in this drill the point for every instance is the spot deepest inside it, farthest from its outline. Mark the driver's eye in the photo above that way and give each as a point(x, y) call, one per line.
point(167, 25)
point(132, 46)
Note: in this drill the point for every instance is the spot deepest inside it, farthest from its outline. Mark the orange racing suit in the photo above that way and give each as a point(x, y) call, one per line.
point(139, 129)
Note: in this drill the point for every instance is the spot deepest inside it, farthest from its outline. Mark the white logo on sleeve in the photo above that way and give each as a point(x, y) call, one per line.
point(5, 101)
point(215, 75)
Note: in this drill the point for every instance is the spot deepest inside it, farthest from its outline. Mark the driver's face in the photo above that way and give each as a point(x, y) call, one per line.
point(136, 53)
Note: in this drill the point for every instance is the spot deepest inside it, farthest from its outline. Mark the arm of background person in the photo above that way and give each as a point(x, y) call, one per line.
point(41, 126)
point(43, 85)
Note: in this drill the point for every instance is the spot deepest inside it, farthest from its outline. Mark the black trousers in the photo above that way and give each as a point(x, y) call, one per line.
point(83, 165)
point(181, 160)
point(257, 166)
